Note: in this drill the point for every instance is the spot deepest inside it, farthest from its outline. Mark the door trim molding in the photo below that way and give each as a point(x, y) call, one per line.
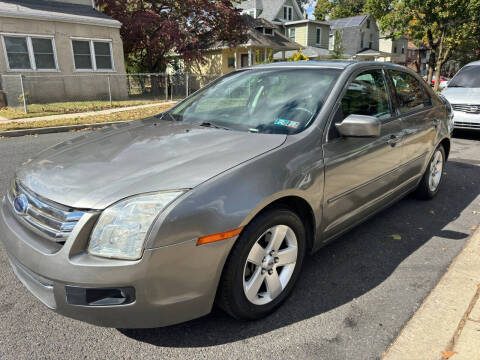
point(358, 187)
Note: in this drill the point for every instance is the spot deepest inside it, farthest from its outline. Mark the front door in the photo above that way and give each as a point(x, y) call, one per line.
point(360, 171)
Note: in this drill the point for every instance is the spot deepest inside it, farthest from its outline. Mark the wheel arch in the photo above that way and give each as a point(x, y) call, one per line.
point(298, 205)
point(446, 145)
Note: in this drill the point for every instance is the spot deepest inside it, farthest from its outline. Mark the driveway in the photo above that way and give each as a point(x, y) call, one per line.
point(353, 298)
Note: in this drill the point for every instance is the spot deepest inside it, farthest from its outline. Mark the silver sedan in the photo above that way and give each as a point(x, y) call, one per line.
point(219, 200)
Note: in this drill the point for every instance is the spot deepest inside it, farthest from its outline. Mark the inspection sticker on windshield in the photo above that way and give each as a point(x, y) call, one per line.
point(287, 123)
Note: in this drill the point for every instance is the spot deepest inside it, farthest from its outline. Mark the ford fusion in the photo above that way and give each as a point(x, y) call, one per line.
point(218, 201)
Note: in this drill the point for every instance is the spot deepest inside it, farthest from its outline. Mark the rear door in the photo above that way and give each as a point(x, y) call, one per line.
point(419, 122)
point(360, 171)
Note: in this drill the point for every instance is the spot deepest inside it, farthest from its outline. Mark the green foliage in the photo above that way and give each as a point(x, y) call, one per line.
point(298, 56)
point(322, 9)
point(338, 49)
point(259, 57)
point(444, 25)
point(336, 9)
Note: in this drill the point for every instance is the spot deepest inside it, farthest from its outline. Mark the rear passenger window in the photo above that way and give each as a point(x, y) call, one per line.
point(411, 95)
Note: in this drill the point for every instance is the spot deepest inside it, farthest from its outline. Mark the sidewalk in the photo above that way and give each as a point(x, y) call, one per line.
point(447, 324)
point(83, 114)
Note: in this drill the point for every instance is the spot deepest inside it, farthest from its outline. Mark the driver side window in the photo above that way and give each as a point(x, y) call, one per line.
point(366, 95)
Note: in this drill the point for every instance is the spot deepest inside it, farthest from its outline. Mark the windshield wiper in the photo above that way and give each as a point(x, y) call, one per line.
point(210, 124)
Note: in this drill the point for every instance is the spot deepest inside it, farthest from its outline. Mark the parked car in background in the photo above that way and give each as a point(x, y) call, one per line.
point(443, 81)
point(220, 199)
point(463, 93)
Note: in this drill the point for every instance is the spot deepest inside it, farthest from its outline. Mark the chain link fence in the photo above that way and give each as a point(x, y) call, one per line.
point(105, 90)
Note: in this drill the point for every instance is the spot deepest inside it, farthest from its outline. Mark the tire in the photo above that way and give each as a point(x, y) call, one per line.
point(427, 189)
point(240, 273)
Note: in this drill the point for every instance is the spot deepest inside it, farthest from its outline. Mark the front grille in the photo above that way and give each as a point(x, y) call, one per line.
point(471, 109)
point(53, 221)
point(467, 125)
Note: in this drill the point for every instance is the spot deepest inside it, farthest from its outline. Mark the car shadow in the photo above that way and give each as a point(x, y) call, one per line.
point(346, 269)
point(466, 134)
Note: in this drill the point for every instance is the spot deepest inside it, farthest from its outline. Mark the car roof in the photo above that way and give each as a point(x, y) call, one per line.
point(473, 63)
point(332, 64)
point(310, 63)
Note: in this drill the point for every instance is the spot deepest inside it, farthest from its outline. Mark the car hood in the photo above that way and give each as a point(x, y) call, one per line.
point(98, 169)
point(468, 96)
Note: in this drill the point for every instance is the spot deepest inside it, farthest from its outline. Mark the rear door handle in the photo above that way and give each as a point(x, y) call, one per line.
point(394, 139)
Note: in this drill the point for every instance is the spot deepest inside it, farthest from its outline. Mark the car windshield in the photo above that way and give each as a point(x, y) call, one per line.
point(468, 77)
point(276, 101)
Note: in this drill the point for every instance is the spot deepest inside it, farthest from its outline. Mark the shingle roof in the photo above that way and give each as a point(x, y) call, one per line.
point(270, 8)
point(256, 38)
point(347, 22)
point(55, 11)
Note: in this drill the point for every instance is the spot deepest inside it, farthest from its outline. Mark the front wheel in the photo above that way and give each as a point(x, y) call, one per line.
point(431, 180)
point(263, 265)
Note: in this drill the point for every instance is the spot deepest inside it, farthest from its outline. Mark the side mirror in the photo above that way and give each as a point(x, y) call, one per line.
point(359, 126)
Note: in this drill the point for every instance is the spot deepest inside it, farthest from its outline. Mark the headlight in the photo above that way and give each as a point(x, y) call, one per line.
point(122, 228)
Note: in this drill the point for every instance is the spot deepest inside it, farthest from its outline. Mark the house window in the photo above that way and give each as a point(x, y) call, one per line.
point(291, 34)
point(30, 53)
point(288, 13)
point(361, 40)
point(93, 55)
point(394, 49)
point(231, 62)
point(368, 24)
point(268, 31)
point(370, 44)
point(403, 49)
point(319, 36)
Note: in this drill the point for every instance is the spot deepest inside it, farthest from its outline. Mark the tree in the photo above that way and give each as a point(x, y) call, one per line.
point(443, 25)
point(336, 9)
point(338, 49)
point(155, 31)
point(322, 9)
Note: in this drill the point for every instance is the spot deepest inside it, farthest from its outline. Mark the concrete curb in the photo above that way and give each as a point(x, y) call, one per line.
point(438, 323)
point(57, 129)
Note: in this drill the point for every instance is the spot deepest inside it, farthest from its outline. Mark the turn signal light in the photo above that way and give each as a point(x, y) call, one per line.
point(218, 237)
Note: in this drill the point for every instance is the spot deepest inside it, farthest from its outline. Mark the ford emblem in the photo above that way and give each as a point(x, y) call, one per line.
point(20, 204)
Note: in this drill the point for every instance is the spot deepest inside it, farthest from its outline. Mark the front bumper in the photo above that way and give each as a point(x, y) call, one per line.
point(172, 284)
point(463, 120)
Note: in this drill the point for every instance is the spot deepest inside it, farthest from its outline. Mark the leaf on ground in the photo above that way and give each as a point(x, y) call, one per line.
point(396, 237)
point(432, 212)
point(447, 354)
point(476, 212)
point(444, 249)
point(475, 227)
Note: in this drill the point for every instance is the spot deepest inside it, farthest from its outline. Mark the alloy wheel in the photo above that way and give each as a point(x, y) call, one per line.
point(436, 169)
point(270, 264)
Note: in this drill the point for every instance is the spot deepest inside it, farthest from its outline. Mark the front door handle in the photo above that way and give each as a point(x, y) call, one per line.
point(394, 139)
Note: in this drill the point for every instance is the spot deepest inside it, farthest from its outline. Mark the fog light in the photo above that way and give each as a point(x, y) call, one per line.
point(99, 296)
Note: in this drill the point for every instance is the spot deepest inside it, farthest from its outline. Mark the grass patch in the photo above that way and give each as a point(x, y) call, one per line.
point(73, 107)
point(94, 119)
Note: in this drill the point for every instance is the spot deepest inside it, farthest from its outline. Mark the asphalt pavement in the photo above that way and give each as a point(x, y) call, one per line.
point(353, 298)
